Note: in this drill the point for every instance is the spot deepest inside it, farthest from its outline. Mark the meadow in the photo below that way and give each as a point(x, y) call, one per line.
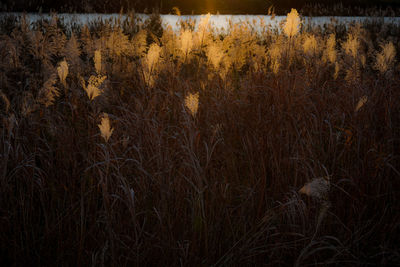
point(129, 143)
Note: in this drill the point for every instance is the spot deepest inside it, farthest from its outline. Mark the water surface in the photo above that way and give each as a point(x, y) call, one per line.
point(218, 22)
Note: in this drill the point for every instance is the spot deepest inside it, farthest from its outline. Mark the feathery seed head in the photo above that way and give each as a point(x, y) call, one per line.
point(363, 100)
point(139, 44)
point(152, 56)
point(352, 45)
point(330, 50)
point(204, 22)
point(117, 43)
point(105, 128)
point(275, 55)
point(310, 45)
point(72, 51)
point(337, 70)
point(97, 61)
point(292, 25)
point(151, 61)
point(215, 55)
point(62, 70)
point(94, 83)
point(318, 188)
point(186, 42)
point(192, 103)
point(49, 92)
point(386, 58)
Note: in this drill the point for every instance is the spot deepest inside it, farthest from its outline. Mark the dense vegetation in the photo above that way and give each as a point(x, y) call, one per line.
point(308, 7)
point(123, 143)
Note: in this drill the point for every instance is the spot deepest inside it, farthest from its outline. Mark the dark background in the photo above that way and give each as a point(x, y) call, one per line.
point(191, 6)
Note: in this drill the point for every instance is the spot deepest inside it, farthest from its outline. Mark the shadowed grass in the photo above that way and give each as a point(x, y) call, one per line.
point(199, 162)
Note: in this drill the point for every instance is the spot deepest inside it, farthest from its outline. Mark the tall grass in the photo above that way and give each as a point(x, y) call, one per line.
point(199, 148)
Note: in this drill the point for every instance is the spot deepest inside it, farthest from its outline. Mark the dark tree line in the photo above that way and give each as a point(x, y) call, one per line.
point(186, 6)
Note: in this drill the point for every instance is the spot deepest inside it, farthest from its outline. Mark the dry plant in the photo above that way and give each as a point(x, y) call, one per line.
point(150, 63)
point(237, 56)
point(62, 71)
point(192, 103)
point(310, 45)
point(139, 44)
point(385, 58)
point(292, 24)
point(275, 53)
point(363, 100)
point(352, 45)
point(49, 91)
point(105, 127)
point(258, 57)
point(72, 51)
point(318, 188)
point(117, 43)
point(98, 61)
point(186, 43)
point(330, 52)
point(215, 54)
point(203, 34)
point(93, 87)
point(352, 48)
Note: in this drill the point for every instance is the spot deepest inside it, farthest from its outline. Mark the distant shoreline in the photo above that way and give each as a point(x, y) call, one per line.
point(184, 15)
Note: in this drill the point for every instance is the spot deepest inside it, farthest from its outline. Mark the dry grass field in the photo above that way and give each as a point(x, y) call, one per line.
point(130, 144)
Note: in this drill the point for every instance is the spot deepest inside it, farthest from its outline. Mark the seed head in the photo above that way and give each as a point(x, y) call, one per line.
point(363, 100)
point(62, 70)
point(318, 188)
point(186, 42)
point(152, 56)
point(192, 103)
point(386, 58)
point(310, 45)
point(352, 45)
point(105, 128)
point(291, 27)
point(330, 50)
point(215, 55)
point(97, 61)
point(94, 83)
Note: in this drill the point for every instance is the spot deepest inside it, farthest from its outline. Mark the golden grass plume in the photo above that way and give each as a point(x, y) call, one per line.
point(192, 103)
point(105, 127)
point(292, 25)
